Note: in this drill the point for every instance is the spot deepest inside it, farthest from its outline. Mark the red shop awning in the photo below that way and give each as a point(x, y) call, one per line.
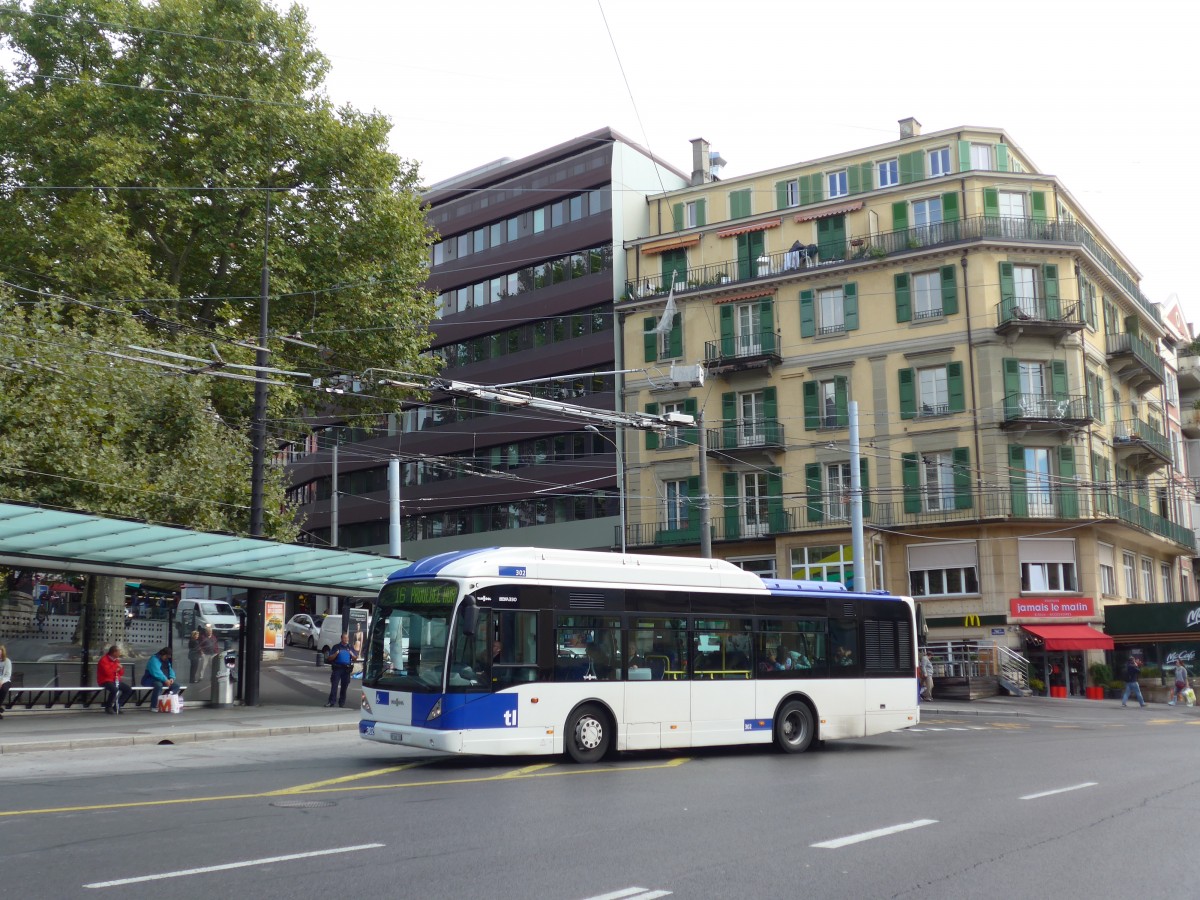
point(828, 211)
point(1070, 637)
point(750, 226)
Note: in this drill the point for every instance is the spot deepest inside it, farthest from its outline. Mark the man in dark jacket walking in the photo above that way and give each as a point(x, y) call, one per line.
point(1131, 682)
point(341, 659)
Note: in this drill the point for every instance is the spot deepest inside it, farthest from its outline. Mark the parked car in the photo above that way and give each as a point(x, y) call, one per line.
point(195, 614)
point(301, 630)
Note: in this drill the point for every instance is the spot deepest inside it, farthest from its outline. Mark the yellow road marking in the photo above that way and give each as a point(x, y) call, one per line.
point(1161, 721)
point(1008, 725)
point(339, 784)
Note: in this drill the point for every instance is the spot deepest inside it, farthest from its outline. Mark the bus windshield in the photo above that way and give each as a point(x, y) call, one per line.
point(407, 647)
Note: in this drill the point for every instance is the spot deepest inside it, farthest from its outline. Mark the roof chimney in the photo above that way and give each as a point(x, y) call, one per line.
point(701, 161)
point(909, 127)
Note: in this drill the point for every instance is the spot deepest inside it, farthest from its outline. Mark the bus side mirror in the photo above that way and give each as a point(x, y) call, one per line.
point(470, 616)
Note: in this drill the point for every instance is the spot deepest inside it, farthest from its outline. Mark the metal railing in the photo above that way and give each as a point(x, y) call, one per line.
point(736, 435)
point(857, 248)
point(1046, 407)
point(974, 659)
point(1037, 312)
point(1135, 431)
point(1143, 351)
point(742, 346)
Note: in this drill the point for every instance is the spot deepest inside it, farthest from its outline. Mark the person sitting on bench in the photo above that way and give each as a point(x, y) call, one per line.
point(108, 675)
point(160, 675)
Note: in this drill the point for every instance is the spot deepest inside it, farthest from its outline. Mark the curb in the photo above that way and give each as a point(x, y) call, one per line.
point(187, 737)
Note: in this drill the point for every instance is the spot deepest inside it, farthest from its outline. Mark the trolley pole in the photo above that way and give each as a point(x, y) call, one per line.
point(705, 504)
point(856, 504)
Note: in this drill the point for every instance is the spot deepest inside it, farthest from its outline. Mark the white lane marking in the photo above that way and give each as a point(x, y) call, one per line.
point(871, 835)
point(634, 893)
point(1074, 787)
point(236, 865)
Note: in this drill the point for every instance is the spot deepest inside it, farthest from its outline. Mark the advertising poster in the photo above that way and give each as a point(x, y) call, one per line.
point(273, 612)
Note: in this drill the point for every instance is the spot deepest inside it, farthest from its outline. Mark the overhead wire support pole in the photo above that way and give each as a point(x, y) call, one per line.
point(856, 505)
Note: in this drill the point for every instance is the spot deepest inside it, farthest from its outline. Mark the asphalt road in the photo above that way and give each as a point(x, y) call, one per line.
point(1071, 805)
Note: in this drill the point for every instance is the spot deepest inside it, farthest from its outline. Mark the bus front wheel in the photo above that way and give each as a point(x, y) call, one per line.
point(794, 727)
point(588, 734)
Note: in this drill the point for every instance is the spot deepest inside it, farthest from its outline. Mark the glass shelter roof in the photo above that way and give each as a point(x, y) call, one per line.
point(76, 542)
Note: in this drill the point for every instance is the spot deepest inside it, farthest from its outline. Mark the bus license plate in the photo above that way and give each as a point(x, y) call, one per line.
point(395, 736)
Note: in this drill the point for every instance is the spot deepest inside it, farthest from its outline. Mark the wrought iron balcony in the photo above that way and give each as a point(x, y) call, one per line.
point(857, 249)
point(1140, 446)
point(742, 351)
point(1135, 360)
point(1024, 315)
point(1067, 409)
point(734, 435)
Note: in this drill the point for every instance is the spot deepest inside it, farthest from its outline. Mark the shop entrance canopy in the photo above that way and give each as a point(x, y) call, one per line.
point(1070, 637)
point(32, 537)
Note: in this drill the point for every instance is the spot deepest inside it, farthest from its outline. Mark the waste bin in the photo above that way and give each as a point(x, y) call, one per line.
point(222, 681)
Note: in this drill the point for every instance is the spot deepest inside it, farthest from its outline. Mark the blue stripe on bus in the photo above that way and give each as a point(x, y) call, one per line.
point(756, 725)
point(462, 711)
point(433, 565)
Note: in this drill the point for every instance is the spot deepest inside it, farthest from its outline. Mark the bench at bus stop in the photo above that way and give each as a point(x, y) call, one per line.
point(21, 697)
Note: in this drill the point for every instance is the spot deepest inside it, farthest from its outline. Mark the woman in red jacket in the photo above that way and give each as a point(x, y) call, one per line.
point(108, 675)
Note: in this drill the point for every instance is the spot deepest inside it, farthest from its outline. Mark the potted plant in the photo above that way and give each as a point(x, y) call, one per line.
point(1037, 686)
point(1101, 675)
point(1116, 688)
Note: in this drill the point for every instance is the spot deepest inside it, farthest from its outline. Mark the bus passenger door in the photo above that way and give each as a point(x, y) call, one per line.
point(723, 691)
point(657, 689)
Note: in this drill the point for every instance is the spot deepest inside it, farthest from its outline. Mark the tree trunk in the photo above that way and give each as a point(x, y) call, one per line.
point(103, 615)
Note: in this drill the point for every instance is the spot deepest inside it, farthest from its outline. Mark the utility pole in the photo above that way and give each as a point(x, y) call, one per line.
point(394, 507)
point(333, 494)
point(856, 501)
point(705, 502)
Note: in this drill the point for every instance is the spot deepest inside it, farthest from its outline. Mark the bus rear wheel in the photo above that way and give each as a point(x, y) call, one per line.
point(794, 727)
point(588, 734)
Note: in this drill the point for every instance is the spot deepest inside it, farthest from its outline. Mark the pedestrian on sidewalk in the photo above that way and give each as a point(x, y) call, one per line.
point(1131, 682)
point(926, 676)
point(1180, 682)
point(210, 646)
point(5, 676)
point(341, 659)
point(108, 675)
point(194, 657)
point(160, 675)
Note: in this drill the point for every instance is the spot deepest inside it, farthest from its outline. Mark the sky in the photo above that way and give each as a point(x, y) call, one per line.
point(1102, 95)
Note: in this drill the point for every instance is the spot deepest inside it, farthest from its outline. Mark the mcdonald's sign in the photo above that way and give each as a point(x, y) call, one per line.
point(972, 621)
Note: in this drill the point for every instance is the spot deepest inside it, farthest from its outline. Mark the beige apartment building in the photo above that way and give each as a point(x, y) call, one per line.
point(1008, 372)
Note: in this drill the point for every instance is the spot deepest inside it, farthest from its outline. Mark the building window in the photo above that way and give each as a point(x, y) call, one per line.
point(837, 490)
point(1185, 585)
point(939, 162)
point(754, 504)
point(748, 319)
point(1047, 565)
point(1148, 580)
point(832, 563)
point(762, 566)
point(827, 393)
point(888, 172)
point(926, 295)
point(927, 212)
point(944, 568)
point(1027, 289)
point(933, 393)
point(673, 437)
point(1012, 206)
point(1168, 586)
point(981, 157)
point(438, 254)
point(831, 311)
point(791, 193)
point(690, 219)
point(837, 184)
point(1108, 572)
point(937, 481)
point(879, 582)
point(751, 422)
point(1129, 566)
point(675, 506)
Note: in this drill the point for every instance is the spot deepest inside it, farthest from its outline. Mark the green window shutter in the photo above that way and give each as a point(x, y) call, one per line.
point(1012, 387)
point(912, 166)
point(961, 457)
point(726, 323)
point(954, 387)
point(812, 482)
point(850, 306)
point(910, 477)
point(1058, 377)
point(949, 291)
point(729, 421)
point(701, 215)
point(689, 435)
point(766, 318)
point(1133, 326)
point(867, 178)
point(677, 217)
point(733, 506)
point(899, 215)
point(811, 189)
point(950, 206)
point(652, 436)
point(1037, 206)
point(858, 178)
point(776, 520)
point(650, 338)
point(841, 400)
point(781, 193)
point(964, 156)
point(1008, 291)
point(1016, 480)
point(903, 297)
point(1001, 157)
point(991, 202)
point(739, 203)
point(808, 316)
point(674, 267)
point(812, 412)
point(1050, 283)
point(908, 394)
point(1068, 493)
point(1099, 399)
point(675, 338)
point(865, 483)
point(771, 414)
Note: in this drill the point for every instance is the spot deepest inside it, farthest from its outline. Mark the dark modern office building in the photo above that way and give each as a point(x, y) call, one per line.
point(529, 261)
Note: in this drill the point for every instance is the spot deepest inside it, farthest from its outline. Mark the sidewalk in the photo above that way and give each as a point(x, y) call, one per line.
point(291, 703)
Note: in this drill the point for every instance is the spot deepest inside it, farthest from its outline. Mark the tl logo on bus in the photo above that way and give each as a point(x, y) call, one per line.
point(510, 718)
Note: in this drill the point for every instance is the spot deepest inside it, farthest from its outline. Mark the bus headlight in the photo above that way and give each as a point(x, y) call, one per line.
point(436, 711)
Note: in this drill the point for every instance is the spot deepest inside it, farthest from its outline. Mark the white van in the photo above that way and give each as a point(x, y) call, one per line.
point(331, 634)
point(193, 615)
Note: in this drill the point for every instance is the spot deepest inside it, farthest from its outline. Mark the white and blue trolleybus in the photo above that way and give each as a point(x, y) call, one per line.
point(519, 650)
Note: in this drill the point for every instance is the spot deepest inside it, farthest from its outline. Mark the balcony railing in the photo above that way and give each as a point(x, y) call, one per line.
point(1027, 312)
point(750, 345)
point(1088, 502)
point(857, 248)
point(1139, 349)
point(1066, 408)
point(746, 435)
point(1136, 433)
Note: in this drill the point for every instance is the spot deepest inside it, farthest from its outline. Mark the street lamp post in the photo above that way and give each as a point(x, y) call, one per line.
point(620, 473)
